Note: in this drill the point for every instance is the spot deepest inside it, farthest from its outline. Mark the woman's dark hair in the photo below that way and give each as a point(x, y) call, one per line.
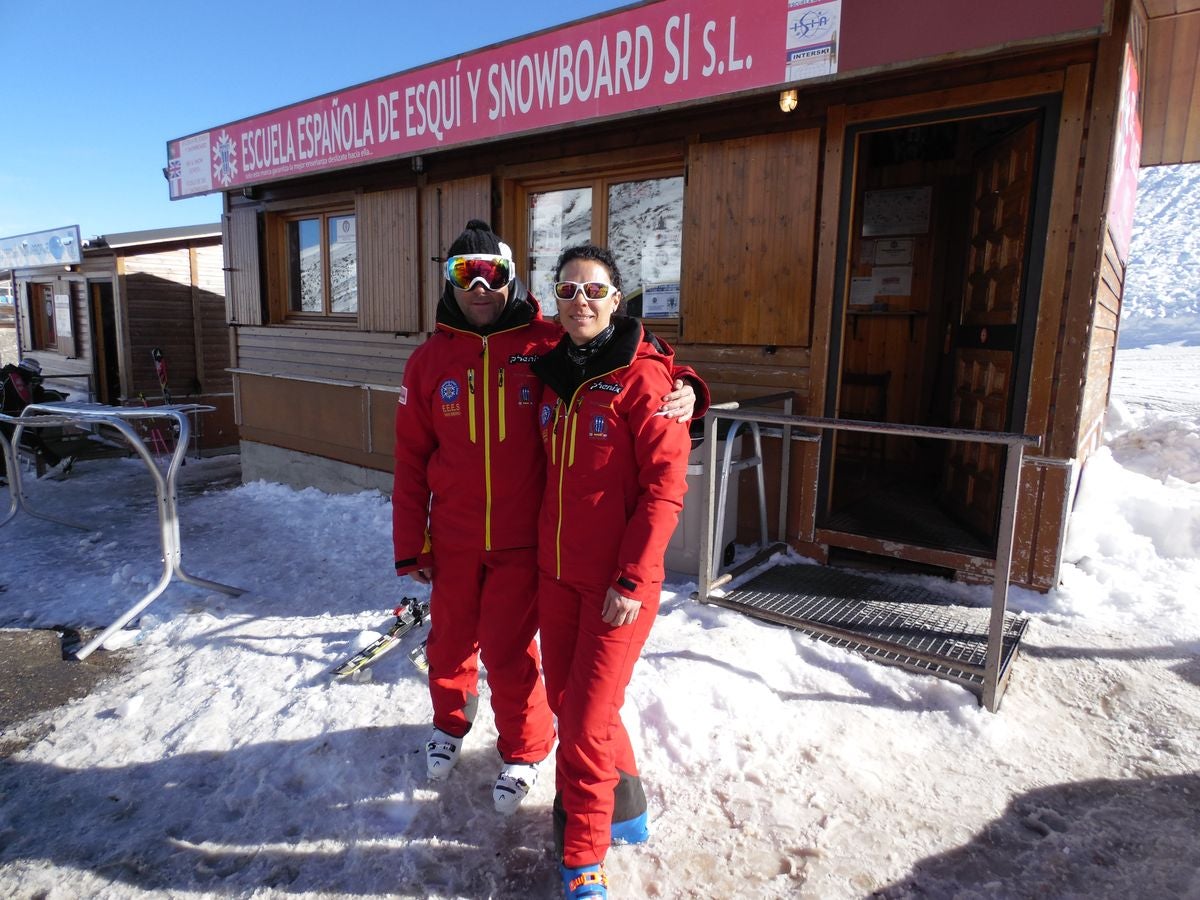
point(597, 254)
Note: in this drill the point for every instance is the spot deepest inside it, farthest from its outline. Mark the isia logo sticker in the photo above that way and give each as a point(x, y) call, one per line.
point(225, 167)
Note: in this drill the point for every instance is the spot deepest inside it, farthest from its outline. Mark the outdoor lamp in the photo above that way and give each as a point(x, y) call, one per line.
point(788, 100)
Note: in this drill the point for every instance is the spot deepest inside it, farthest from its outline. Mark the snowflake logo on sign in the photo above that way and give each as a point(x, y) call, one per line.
point(224, 165)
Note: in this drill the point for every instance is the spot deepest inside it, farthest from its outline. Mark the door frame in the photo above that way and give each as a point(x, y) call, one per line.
point(1049, 107)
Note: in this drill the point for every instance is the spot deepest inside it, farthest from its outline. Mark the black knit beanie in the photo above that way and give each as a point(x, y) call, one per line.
point(478, 237)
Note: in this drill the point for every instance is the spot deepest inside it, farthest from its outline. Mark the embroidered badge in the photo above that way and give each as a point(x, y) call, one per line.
point(546, 414)
point(599, 427)
point(449, 390)
point(525, 396)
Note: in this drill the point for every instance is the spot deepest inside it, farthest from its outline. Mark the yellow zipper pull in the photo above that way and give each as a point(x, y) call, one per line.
point(471, 403)
point(500, 391)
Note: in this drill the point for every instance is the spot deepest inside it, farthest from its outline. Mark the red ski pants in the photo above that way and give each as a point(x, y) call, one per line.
point(483, 604)
point(588, 665)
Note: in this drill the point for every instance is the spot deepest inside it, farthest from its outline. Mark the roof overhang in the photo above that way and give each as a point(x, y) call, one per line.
point(1171, 109)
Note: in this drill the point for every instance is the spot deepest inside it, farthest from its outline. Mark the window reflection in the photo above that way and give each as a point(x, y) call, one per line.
point(557, 220)
point(343, 265)
point(645, 234)
point(307, 292)
point(322, 267)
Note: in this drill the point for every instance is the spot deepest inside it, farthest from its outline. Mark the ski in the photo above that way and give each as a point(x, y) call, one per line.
point(418, 657)
point(409, 614)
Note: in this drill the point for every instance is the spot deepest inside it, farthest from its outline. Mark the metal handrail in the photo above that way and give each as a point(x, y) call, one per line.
point(740, 411)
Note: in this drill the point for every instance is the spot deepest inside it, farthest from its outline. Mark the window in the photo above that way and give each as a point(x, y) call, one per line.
point(322, 265)
point(639, 218)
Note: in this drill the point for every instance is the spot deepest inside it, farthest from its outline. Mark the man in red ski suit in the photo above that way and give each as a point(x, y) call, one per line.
point(468, 479)
point(615, 479)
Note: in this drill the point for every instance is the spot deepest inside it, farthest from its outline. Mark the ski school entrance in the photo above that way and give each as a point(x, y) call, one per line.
point(939, 261)
point(920, 230)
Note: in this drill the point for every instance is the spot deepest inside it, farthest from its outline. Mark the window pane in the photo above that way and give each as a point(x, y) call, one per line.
point(645, 233)
point(557, 220)
point(343, 265)
point(306, 289)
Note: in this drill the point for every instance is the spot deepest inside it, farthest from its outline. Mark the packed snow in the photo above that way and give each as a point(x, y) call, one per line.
point(224, 761)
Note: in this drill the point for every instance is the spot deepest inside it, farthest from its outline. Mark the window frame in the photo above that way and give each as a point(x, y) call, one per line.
point(279, 254)
point(599, 178)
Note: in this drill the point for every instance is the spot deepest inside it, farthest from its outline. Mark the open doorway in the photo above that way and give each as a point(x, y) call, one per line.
point(933, 327)
point(107, 372)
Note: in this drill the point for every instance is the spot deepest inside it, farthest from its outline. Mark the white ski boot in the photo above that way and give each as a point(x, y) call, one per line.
point(441, 754)
point(513, 785)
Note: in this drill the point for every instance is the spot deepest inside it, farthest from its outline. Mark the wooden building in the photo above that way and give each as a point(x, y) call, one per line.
point(915, 213)
point(91, 315)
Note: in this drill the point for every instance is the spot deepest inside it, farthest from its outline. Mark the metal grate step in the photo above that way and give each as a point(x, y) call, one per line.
point(897, 624)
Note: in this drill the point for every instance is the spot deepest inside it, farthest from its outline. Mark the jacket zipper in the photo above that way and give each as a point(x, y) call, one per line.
point(487, 456)
point(568, 456)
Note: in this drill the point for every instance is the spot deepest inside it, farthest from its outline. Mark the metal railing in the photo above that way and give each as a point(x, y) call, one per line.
point(748, 411)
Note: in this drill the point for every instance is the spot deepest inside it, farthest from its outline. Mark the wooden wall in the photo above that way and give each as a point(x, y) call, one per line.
point(173, 298)
point(1171, 76)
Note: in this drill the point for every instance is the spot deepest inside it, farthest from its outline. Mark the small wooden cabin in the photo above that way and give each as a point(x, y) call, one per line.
point(915, 213)
point(93, 321)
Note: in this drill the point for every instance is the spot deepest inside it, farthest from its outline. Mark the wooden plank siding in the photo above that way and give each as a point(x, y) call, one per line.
point(445, 208)
point(388, 282)
point(208, 294)
point(731, 226)
point(1066, 425)
point(1064, 212)
point(1171, 109)
point(158, 298)
point(243, 285)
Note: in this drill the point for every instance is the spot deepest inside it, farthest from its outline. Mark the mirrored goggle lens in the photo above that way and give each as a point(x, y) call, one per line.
point(493, 271)
point(592, 290)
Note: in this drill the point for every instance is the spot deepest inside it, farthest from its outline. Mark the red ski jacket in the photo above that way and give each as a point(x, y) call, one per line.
point(469, 464)
point(616, 471)
point(470, 470)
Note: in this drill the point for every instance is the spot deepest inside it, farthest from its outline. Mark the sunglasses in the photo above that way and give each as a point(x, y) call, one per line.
point(592, 290)
point(494, 272)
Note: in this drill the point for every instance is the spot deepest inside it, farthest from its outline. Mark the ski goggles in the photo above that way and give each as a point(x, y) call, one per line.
point(494, 272)
point(592, 290)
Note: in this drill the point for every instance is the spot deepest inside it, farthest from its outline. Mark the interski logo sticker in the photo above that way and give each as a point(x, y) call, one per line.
point(225, 167)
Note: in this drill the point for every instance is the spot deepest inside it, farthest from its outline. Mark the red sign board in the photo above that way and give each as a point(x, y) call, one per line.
point(647, 57)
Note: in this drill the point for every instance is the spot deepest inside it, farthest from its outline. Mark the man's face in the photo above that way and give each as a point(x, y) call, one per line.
point(482, 307)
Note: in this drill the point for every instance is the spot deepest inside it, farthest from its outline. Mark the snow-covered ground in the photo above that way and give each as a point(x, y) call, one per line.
point(226, 762)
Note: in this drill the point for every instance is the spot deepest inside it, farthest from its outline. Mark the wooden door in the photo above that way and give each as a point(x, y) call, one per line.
point(41, 316)
point(986, 337)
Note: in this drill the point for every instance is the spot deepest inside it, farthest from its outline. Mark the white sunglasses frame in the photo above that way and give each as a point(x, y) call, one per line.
point(612, 289)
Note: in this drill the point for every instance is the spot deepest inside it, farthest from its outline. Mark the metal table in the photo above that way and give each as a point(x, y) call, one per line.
point(38, 415)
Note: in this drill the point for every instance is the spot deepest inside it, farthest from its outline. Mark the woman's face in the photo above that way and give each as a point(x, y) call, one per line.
point(583, 319)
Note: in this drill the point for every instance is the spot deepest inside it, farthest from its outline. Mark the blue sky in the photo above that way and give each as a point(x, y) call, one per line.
point(92, 92)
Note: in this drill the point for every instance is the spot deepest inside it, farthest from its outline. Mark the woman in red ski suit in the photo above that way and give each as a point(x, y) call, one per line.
point(469, 472)
point(615, 480)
